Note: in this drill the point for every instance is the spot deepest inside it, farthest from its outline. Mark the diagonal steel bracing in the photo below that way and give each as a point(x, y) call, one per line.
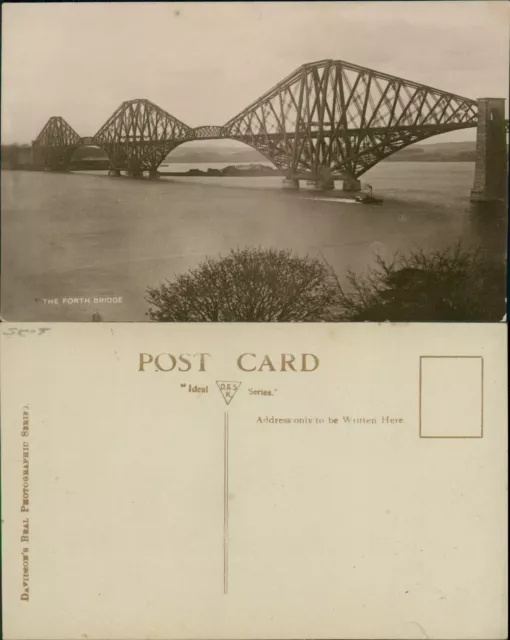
point(328, 116)
point(139, 135)
point(55, 143)
point(345, 118)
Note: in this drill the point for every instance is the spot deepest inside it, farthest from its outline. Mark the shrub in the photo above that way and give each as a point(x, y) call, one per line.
point(453, 285)
point(247, 285)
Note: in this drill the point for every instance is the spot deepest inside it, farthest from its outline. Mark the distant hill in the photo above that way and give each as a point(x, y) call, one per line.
point(190, 154)
point(196, 154)
point(435, 152)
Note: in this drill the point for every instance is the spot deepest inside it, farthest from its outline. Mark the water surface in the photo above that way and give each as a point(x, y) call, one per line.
point(89, 235)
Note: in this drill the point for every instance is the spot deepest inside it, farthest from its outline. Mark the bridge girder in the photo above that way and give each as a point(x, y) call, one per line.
point(329, 115)
point(208, 132)
point(139, 135)
point(54, 143)
point(344, 118)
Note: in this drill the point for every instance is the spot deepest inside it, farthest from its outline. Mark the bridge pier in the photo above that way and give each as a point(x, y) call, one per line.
point(491, 172)
point(351, 184)
point(324, 184)
point(324, 180)
point(290, 183)
point(134, 170)
point(154, 173)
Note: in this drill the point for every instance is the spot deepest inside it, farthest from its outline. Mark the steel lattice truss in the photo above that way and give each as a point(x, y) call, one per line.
point(210, 133)
point(56, 140)
point(343, 118)
point(329, 117)
point(139, 135)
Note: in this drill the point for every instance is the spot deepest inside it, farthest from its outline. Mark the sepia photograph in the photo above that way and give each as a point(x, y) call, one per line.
point(255, 161)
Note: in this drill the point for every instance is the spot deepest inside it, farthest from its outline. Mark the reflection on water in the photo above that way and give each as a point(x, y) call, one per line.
point(82, 235)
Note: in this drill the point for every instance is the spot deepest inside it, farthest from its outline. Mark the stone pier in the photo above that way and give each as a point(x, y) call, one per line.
point(325, 180)
point(324, 184)
point(491, 173)
point(290, 183)
point(351, 184)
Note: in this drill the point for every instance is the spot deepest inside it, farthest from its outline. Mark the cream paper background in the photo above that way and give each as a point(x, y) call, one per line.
point(335, 530)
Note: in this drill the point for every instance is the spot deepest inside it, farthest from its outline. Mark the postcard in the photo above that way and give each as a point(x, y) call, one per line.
point(254, 161)
point(253, 287)
point(204, 481)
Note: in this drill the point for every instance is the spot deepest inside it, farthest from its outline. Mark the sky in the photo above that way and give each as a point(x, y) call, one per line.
point(204, 62)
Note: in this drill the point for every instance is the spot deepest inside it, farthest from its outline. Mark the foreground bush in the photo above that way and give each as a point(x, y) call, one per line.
point(454, 285)
point(250, 285)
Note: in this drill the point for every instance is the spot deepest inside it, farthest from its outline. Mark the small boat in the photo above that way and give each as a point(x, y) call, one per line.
point(368, 197)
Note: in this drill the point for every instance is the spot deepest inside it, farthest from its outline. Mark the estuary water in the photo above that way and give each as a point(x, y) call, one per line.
point(90, 236)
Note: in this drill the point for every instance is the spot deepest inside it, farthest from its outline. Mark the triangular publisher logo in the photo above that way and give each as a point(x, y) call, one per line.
point(228, 389)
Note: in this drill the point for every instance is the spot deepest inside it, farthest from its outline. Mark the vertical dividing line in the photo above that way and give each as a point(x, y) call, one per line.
point(225, 504)
point(482, 391)
point(419, 395)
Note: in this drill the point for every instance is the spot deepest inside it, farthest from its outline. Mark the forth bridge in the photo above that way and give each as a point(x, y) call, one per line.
point(328, 120)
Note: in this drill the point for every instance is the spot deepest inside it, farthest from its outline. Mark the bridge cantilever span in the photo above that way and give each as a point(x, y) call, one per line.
point(339, 119)
point(327, 120)
point(139, 135)
point(53, 144)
